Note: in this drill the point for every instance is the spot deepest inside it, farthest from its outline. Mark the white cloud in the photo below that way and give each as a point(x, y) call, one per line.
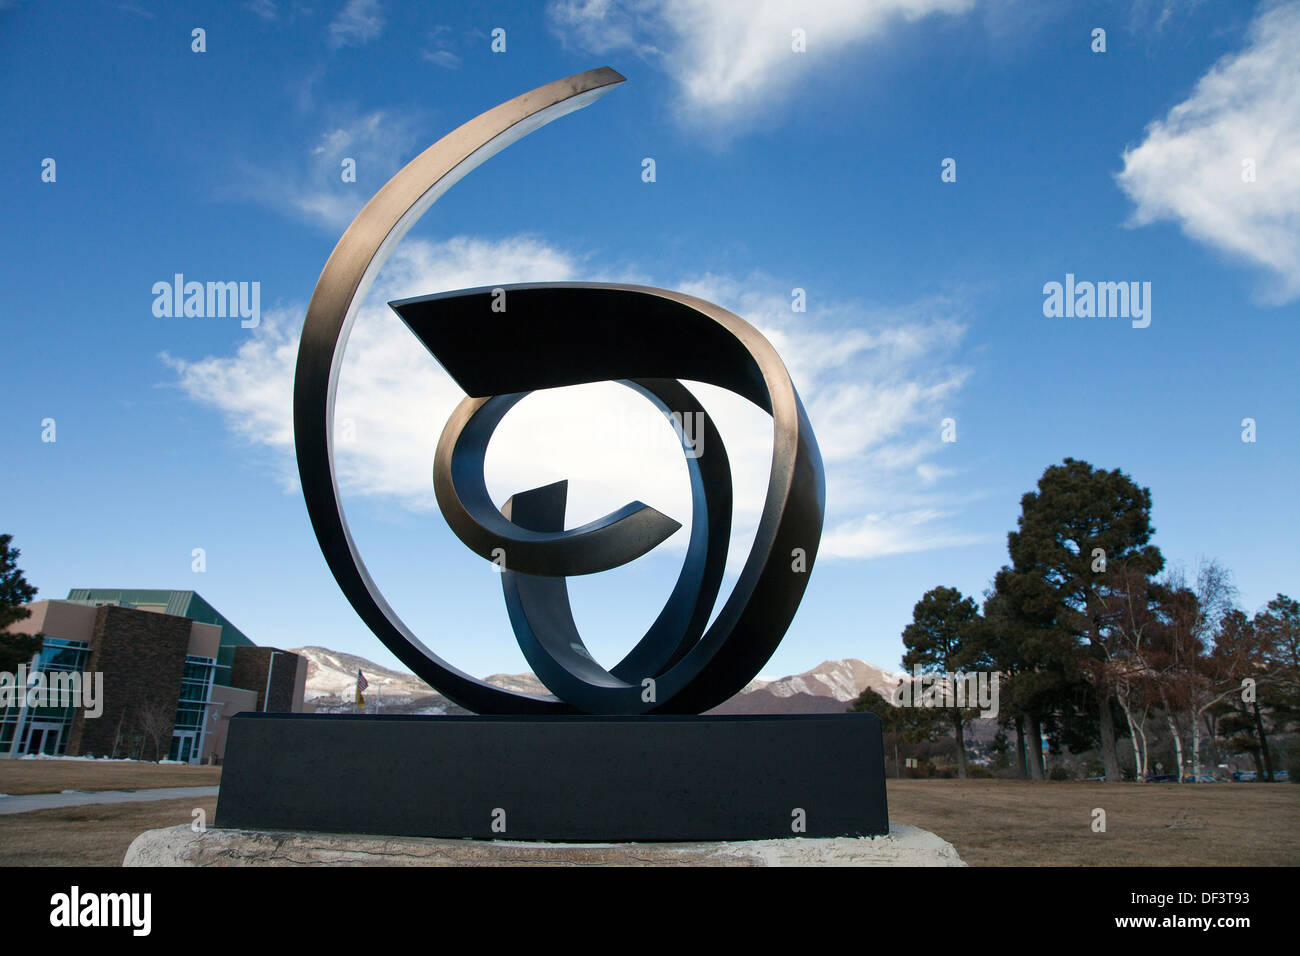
point(874, 392)
point(1189, 168)
point(360, 21)
point(1154, 15)
point(878, 534)
point(443, 58)
point(265, 9)
point(731, 56)
point(439, 50)
point(380, 142)
point(875, 385)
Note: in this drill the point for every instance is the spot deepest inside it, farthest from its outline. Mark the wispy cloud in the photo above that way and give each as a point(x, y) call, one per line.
point(1190, 167)
point(439, 52)
point(733, 57)
point(898, 532)
point(443, 58)
point(312, 187)
point(875, 385)
point(127, 7)
point(1155, 15)
point(265, 9)
point(359, 22)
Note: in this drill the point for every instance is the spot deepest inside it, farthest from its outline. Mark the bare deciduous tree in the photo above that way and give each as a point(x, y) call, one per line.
point(155, 723)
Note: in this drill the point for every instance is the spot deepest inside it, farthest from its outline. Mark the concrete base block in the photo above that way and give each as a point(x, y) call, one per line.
point(181, 846)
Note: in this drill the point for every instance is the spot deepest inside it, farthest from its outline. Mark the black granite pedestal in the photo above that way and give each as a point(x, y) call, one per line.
point(557, 779)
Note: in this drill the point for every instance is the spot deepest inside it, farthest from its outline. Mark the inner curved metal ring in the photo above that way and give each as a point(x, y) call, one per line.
point(538, 604)
point(553, 334)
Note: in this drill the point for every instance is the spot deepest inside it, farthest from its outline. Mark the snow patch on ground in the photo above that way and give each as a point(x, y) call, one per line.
point(101, 759)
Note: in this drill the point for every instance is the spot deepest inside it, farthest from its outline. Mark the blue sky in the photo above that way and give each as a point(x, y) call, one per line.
point(775, 169)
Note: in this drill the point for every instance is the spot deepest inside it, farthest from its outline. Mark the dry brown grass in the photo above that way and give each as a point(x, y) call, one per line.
point(93, 835)
point(990, 822)
point(1020, 823)
point(51, 776)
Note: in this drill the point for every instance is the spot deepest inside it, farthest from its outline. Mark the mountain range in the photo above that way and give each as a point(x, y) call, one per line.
point(827, 688)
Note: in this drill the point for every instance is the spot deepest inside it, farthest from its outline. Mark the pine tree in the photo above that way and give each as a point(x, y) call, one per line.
point(941, 640)
point(1078, 525)
point(15, 649)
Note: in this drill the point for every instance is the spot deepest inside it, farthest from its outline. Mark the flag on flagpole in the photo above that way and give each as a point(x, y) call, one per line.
point(362, 684)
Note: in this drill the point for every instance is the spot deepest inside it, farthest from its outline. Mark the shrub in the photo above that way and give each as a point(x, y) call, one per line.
point(1291, 761)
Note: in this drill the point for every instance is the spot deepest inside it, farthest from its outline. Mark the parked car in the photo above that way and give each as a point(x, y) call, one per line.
point(1246, 776)
point(1161, 778)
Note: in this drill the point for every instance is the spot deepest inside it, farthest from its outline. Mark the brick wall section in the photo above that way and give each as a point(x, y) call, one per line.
point(249, 672)
point(142, 657)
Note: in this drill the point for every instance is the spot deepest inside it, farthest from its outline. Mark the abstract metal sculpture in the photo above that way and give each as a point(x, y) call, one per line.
point(552, 335)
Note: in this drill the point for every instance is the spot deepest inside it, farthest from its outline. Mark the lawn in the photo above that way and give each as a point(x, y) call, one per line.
point(51, 776)
point(1019, 823)
point(94, 835)
point(990, 822)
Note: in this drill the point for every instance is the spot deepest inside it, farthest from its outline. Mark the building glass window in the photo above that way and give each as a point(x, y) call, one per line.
point(45, 730)
point(190, 726)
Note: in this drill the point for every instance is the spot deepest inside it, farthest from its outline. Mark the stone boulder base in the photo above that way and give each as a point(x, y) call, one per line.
point(181, 846)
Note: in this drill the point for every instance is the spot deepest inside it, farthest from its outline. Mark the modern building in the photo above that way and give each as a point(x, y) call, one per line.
point(174, 670)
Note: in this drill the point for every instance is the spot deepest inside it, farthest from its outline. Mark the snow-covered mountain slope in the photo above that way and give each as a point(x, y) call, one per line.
point(828, 688)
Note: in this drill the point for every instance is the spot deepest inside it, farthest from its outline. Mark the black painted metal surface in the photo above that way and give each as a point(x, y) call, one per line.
point(564, 779)
point(545, 336)
point(555, 334)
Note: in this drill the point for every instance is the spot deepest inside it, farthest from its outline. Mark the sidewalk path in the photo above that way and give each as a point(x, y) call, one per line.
point(76, 798)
